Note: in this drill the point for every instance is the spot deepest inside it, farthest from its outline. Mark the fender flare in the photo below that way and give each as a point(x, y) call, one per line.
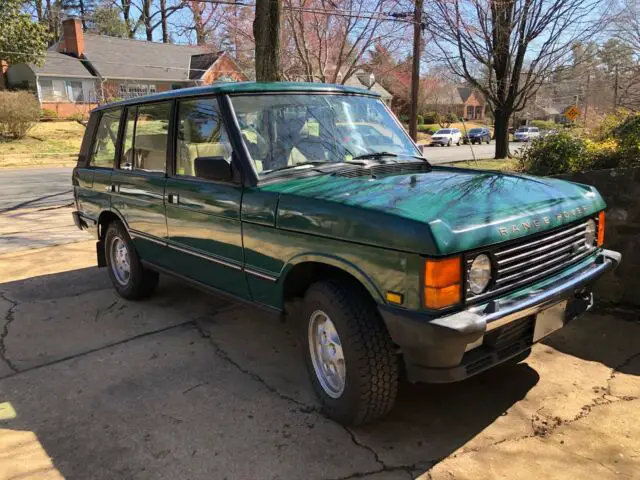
point(338, 262)
point(117, 214)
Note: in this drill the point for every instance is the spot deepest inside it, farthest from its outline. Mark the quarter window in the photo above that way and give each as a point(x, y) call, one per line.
point(201, 136)
point(104, 146)
point(145, 139)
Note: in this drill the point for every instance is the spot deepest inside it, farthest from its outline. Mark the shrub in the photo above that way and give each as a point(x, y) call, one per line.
point(77, 117)
point(420, 119)
point(430, 117)
point(430, 129)
point(544, 124)
point(48, 114)
point(19, 111)
point(627, 136)
point(553, 154)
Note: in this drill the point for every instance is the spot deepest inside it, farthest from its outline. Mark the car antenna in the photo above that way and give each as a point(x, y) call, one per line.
point(466, 132)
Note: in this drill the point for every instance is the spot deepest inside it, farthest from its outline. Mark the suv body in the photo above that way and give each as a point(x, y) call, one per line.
point(268, 193)
point(478, 135)
point(446, 136)
point(524, 134)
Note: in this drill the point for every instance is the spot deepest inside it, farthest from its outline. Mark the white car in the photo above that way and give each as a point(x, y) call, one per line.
point(446, 136)
point(524, 134)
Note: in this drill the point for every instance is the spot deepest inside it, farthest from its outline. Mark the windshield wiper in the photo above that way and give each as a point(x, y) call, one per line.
point(301, 164)
point(374, 155)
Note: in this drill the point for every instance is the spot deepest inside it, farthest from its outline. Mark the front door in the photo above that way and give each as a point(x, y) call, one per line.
point(138, 183)
point(203, 215)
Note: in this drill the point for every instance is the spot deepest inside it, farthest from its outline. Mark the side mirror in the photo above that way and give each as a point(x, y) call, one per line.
point(213, 168)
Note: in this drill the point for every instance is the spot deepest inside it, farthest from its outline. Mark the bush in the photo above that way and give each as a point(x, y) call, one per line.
point(48, 114)
point(77, 117)
point(19, 111)
point(430, 129)
point(553, 154)
point(430, 117)
point(627, 137)
point(420, 119)
point(544, 124)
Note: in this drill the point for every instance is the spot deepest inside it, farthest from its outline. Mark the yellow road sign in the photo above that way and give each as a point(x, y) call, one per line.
point(572, 113)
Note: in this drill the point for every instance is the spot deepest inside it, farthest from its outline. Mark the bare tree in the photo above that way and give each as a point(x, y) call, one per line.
point(328, 40)
point(508, 48)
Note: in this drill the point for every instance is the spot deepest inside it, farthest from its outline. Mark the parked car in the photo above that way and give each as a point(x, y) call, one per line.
point(446, 136)
point(477, 135)
point(525, 134)
point(259, 192)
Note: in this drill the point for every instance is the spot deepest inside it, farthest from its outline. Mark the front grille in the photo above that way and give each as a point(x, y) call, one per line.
point(533, 258)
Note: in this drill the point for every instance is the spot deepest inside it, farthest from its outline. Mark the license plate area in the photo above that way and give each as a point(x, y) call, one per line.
point(549, 320)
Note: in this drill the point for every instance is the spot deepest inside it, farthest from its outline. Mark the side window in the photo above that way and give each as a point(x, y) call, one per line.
point(145, 139)
point(104, 145)
point(201, 136)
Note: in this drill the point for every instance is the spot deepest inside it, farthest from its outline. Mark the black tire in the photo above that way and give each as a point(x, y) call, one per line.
point(449, 143)
point(488, 140)
point(141, 282)
point(371, 363)
point(458, 144)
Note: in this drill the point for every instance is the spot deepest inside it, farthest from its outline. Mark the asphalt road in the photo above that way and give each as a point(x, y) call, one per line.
point(45, 187)
point(464, 152)
point(34, 187)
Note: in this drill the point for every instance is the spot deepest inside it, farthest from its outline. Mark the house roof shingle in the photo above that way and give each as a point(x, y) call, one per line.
point(58, 64)
point(354, 81)
point(125, 58)
point(200, 63)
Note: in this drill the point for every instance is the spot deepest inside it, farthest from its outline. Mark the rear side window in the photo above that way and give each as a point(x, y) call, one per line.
point(106, 139)
point(201, 136)
point(145, 138)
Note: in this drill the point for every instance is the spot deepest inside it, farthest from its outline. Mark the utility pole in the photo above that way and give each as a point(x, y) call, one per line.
point(586, 99)
point(615, 88)
point(415, 73)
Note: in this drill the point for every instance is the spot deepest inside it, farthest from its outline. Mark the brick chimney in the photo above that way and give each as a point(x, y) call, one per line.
point(72, 37)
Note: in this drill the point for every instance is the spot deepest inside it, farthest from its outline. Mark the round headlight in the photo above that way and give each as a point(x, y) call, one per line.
point(590, 234)
point(480, 274)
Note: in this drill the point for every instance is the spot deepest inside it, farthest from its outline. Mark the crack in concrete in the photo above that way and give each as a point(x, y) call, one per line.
point(8, 318)
point(97, 349)
point(304, 408)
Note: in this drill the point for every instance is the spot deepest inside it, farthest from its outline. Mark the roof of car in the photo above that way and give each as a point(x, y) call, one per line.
point(244, 87)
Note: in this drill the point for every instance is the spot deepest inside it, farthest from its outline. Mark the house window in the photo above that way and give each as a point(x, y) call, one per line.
point(470, 112)
point(52, 90)
point(133, 90)
point(74, 91)
point(478, 112)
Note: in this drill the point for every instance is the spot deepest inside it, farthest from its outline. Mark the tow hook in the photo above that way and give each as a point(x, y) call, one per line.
point(585, 297)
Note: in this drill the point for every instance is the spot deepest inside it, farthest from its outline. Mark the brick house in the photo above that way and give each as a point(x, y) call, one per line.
point(82, 70)
point(443, 98)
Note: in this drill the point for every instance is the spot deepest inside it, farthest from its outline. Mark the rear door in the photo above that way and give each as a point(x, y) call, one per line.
point(138, 183)
point(203, 216)
point(93, 180)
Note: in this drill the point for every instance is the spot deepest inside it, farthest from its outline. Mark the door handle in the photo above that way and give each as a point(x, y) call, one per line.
point(173, 198)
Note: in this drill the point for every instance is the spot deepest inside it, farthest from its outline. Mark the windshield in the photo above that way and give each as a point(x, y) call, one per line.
point(443, 131)
point(475, 130)
point(522, 130)
point(287, 130)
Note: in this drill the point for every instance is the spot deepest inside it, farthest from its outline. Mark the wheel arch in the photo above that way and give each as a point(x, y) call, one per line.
point(105, 218)
point(304, 270)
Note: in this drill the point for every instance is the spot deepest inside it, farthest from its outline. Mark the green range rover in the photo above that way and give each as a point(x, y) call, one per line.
point(269, 193)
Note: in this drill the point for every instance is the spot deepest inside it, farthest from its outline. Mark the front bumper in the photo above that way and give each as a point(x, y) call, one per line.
point(438, 349)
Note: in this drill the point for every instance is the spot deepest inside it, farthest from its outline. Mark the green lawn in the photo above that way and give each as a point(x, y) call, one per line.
point(47, 143)
point(488, 164)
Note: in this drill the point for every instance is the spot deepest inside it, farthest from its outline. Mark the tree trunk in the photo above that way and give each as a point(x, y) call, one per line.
point(501, 133)
point(146, 14)
point(163, 21)
point(83, 14)
point(266, 32)
point(197, 23)
point(39, 11)
point(126, 9)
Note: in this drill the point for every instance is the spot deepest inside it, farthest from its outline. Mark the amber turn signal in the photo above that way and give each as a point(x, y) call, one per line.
point(601, 228)
point(442, 282)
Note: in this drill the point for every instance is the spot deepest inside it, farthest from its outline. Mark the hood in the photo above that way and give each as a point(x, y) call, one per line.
point(441, 212)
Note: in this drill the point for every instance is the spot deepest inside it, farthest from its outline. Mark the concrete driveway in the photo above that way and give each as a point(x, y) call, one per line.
point(187, 386)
